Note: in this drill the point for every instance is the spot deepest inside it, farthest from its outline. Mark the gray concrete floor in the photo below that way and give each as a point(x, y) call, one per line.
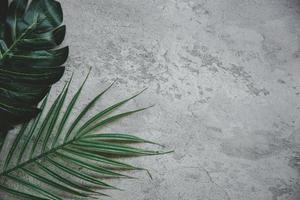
point(225, 79)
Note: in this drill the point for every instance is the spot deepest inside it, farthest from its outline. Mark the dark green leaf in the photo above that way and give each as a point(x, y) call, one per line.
point(30, 32)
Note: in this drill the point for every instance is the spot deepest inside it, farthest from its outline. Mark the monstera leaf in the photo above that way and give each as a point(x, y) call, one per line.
point(30, 32)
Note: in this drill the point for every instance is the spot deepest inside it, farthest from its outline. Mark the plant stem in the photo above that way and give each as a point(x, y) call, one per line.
point(3, 134)
point(3, 173)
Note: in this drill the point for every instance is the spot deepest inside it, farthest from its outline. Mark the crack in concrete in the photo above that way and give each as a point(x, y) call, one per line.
point(212, 180)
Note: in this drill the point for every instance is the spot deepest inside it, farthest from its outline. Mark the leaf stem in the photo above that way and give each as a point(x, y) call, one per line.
point(4, 173)
point(3, 134)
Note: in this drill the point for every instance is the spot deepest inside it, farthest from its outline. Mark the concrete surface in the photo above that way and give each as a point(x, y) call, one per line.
point(225, 79)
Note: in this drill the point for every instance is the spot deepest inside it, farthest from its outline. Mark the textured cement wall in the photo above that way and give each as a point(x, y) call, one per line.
point(225, 78)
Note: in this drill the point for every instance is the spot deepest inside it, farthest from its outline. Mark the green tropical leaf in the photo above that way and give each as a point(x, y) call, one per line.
point(48, 151)
point(30, 33)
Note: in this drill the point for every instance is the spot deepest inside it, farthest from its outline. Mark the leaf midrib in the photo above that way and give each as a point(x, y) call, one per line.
point(32, 160)
point(17, 41)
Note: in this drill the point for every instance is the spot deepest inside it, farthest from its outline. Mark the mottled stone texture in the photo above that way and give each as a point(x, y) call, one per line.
point(225, 78)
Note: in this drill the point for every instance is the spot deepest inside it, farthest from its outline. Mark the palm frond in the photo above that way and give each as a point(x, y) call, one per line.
point(48, 152)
